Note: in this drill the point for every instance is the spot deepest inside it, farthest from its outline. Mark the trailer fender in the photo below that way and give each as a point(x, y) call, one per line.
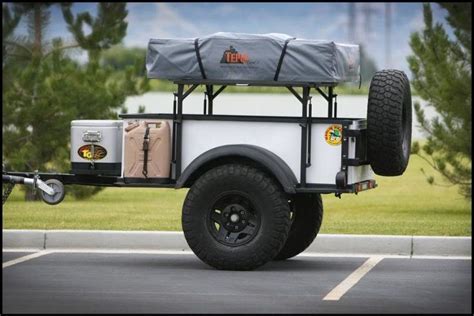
point(262, 157)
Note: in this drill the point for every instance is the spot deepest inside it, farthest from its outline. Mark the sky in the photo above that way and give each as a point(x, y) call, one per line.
point(328, 21)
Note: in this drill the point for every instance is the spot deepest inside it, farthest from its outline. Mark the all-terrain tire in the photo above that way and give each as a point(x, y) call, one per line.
point(306, 221)
point(238, 195)
point(389, 119)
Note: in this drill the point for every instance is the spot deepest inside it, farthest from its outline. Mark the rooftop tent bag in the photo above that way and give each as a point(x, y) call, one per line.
point(254, 58)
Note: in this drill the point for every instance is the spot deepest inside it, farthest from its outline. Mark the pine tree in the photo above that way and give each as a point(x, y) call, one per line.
point(44, 89)
point(442, 69)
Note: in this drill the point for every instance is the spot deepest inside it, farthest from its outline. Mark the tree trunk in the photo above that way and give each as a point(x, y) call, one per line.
point(38, 29)
point(31, 196)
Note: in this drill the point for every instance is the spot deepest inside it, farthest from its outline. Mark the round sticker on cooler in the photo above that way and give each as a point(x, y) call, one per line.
point(86, 152)
point(333, 135)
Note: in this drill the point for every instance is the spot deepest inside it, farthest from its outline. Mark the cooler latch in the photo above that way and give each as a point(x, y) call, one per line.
point(92, 137)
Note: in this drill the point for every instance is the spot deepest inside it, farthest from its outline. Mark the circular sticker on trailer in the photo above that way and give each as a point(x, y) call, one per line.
point(85, 152)
point(333, 135)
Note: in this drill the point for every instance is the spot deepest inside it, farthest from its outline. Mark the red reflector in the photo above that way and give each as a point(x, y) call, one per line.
point(361, 186)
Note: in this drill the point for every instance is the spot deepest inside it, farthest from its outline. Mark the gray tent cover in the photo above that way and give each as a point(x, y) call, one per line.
point(258, 58)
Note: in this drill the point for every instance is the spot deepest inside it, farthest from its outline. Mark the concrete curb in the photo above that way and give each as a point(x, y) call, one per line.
point(162, 240)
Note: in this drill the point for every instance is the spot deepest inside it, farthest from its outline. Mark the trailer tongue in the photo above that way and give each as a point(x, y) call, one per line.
point(52, 190)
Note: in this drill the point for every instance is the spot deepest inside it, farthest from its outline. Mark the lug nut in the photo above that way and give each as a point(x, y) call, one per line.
point(241, 212)
point(233, 209)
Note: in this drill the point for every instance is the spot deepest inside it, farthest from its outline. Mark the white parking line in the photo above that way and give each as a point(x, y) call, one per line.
point(352, 279)
point(116, 251)
point(21, 249)
point(189, 252)
point(25, 258)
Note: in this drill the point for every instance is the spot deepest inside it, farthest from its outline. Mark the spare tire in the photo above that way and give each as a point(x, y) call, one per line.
point(389, 116)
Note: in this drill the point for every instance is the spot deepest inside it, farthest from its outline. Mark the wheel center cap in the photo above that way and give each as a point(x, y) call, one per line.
point(234, 218)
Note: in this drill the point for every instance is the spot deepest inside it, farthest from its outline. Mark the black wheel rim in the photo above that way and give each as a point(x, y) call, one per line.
point(233, 220)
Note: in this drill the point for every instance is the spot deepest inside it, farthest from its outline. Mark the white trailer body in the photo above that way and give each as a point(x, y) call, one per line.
point(283, 139)
point(281, 135)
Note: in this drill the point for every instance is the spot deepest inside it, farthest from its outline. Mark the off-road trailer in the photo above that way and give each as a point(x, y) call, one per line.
point(255, 181)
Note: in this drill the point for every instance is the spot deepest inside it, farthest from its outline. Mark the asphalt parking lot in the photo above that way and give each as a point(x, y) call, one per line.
point(155, 282)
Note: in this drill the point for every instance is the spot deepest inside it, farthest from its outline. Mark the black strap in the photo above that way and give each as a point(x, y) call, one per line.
point(280, 62)
point(196, 48)
point(146, 141)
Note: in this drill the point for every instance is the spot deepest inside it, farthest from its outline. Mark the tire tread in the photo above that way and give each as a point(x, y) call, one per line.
point(263, 251)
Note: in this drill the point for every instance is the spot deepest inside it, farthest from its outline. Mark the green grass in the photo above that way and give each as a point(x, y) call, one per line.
point(405, 205)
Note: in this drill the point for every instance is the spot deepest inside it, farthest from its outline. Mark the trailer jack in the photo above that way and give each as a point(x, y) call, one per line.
point(52, 190)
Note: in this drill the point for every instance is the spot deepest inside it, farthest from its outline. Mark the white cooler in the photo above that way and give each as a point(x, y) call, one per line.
point(96, 147)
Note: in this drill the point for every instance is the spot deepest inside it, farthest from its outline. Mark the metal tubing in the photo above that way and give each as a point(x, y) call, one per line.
point(13, 179)
point(344, 151)
point(173, 136)
point(295, 93)
point(310, 116)
point(210, 96)
point(304, 134)
point(188, 92)
point(219, 91)
point(32, 182)
point(330, 97)
point(322, 93)
point(179, 127)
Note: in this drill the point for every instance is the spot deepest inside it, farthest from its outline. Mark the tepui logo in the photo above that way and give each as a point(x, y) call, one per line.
point(232, 56)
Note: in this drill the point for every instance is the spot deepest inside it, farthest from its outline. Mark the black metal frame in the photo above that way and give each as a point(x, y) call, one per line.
point(305, 121)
